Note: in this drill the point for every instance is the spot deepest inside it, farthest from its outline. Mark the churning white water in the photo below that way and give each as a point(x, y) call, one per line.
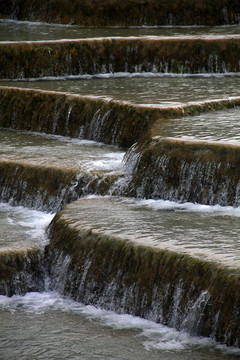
point(22, 228)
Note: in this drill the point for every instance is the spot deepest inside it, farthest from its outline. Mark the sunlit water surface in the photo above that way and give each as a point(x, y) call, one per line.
point(30, 31)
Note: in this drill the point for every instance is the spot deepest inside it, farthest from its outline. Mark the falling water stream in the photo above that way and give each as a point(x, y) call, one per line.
point(49, 326)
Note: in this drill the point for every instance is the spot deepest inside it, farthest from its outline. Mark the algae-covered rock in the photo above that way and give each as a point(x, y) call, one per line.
point(48, 188)
point(126, 12)
point(93, 56)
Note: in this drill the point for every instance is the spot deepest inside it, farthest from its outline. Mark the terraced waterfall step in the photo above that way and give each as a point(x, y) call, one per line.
point(149, 88)
point(126, 13)
point(44, 172)
point(94, 118)
point(184, 170)
point(151, 259)
point(133, 140)
point(112, 55)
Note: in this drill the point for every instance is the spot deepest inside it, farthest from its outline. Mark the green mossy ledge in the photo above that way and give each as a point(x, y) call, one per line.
point(126, 12)
point(21, 272)
point(48, 188)
point(108, 121)
point(195, 171)
point(174, 289)
point(93, 56)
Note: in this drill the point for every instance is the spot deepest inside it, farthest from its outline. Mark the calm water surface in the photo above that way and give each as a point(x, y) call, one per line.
point(149, 89)
point(30, 31)
point(221, 126)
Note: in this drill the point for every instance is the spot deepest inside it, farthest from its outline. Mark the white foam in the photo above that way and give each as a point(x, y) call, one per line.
point(187, 207)
point(32, 223)
point(110, 161)
point(155, 336)
point(126, 75)
point(37, 23)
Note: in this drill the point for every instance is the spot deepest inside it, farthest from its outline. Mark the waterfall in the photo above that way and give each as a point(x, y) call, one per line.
point(21, 272)
point(93, 264)
point(160, 285)
point(48, 189)
point(164, 55)
point(183, 171)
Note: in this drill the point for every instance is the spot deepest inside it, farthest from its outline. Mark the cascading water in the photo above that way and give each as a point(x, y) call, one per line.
point(123, 255)
point(183, 170)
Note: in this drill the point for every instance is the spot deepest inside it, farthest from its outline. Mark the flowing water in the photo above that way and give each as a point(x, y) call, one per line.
point(30, 31)
point(145, 89)
point(48, 326)
point(22, 228)
point(58, 151)
point(221, 126)
point(208, 232)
